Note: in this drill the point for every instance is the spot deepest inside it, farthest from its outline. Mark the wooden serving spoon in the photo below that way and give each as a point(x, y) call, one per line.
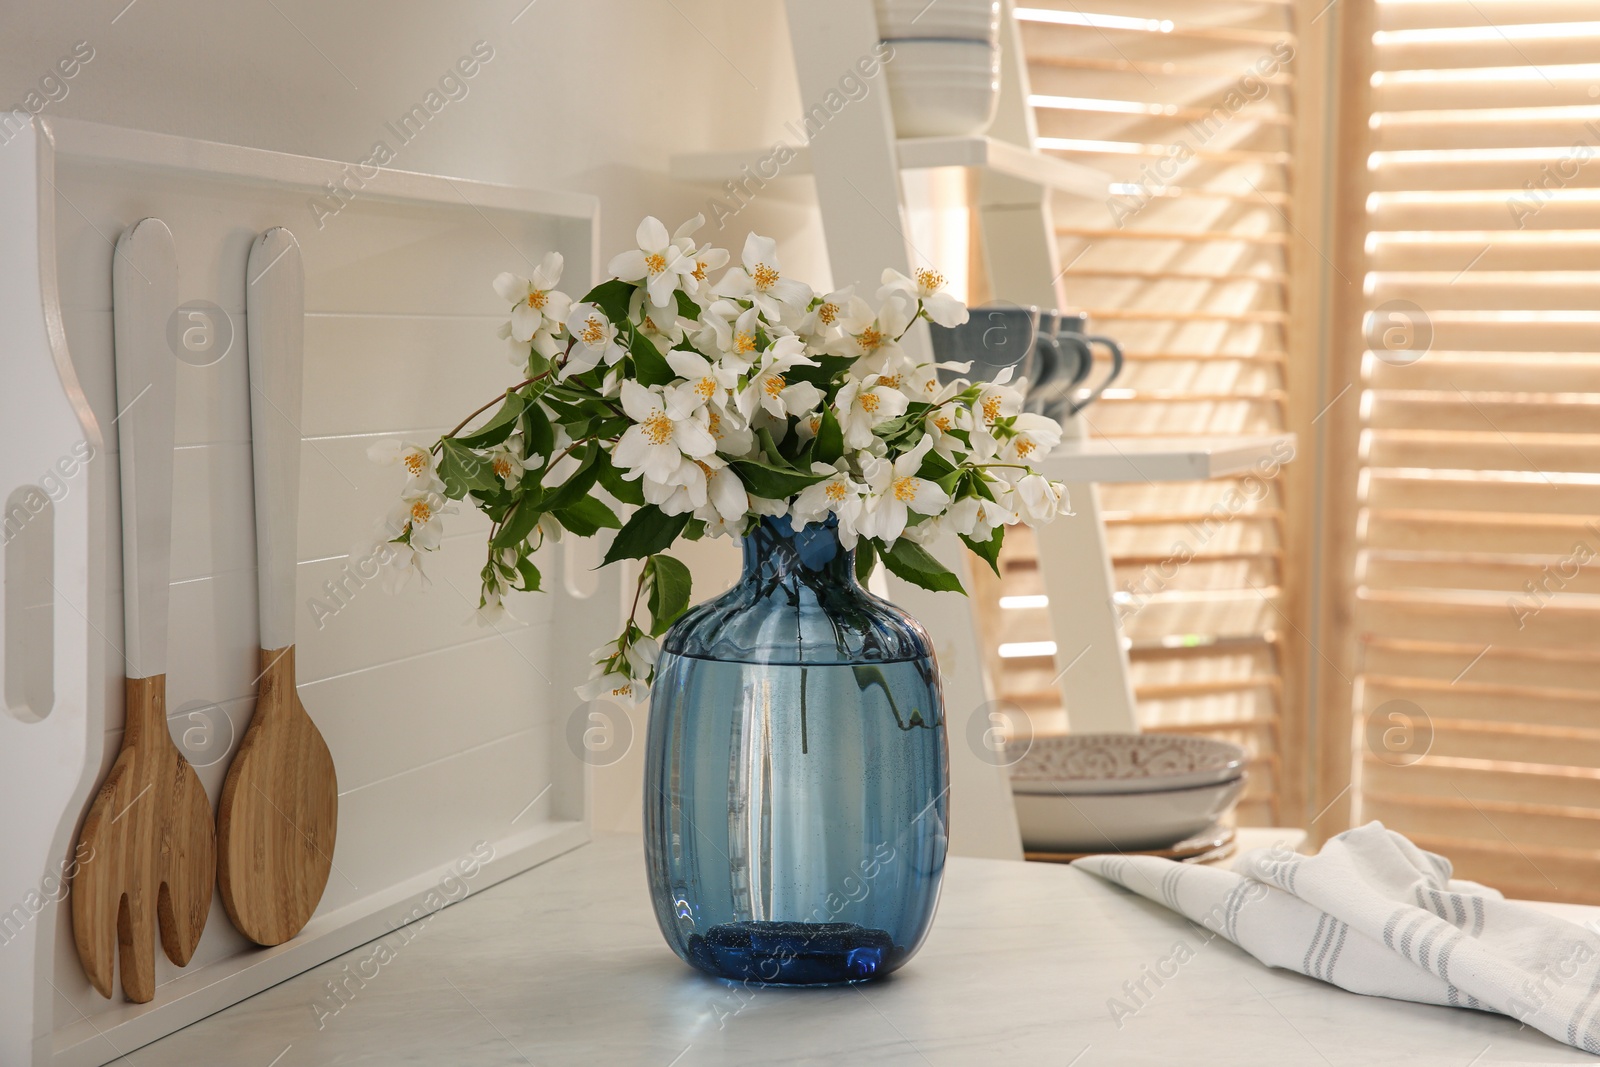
point(280, 803)
point(148, 837)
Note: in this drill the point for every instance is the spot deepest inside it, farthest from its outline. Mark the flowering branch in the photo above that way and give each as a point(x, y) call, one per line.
point(665, 407)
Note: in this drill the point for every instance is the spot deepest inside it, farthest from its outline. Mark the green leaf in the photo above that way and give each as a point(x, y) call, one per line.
point(576, 487)
point(687, 307)
point(650, 367)
point(648, 532)
point(519, 523)
point(462, 470)
point(587, 517)
point(529, 573)
point(773, 483)
point(612, 297)
point(988, 551)
point(498, 428)
point(866, 559)
point(669, 592)
point(695, 530)
point(908, 560)
point(891, 429)
point(769, 447)
point(537, 431)
point(830, 438)
point(629, 492)
point(827, 368)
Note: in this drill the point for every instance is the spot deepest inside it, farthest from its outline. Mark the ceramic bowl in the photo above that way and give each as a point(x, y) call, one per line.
point(1121, 822)
point(942, 88)
point(1078, 764)
point(973, 20)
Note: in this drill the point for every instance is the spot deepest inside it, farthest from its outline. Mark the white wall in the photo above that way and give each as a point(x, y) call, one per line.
point(587, 95)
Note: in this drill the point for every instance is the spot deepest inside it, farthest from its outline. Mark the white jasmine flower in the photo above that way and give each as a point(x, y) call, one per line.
point(727, 494)
point(657, 262)
point(658, 322)
point(996, 401)
point(1039, 500)
point(705, 259)
point(613, 685)
point(492, 610)
point(939, 423)
point(708, 487)
point(768, 508)
point(704, 382)
point(970, 516)
point(731, 431)
point(1031, 437)
point(819, 326)
point(396, 563)
point(416, 460)
point(839, 495)
point(731, 331)
point(594, 340)
point(662, 434)
point(642, 653)
point(550, 528)
point(422, 513)
point(808, 426)
point(537, 306)
point(507, 462)
point(926, 285)
point(769, 390)
point(894, 490)
point(683, 491)
point(761, 282)
point(861, 406)
point(869, 333)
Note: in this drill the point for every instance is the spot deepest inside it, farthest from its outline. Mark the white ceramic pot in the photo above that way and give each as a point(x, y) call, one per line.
point(1121, 822)
point(972, 20)
point(943, 88)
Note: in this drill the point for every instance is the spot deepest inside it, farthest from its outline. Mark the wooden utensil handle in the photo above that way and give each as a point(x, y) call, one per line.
point(275, 329)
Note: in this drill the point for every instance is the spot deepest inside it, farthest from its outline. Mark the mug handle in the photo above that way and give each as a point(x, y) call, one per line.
point(1045, 365)
point(1116, 368)
point(1052, 393)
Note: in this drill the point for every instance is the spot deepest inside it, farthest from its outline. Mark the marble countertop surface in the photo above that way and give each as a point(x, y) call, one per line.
point(1027, 963)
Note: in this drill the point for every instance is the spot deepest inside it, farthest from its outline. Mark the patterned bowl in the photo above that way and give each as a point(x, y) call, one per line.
point(1085, 764)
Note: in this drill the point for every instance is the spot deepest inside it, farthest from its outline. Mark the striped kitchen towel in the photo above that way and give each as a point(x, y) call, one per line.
point(1375, 914)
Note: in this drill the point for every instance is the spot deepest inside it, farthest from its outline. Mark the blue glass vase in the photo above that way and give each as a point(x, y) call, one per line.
point(796, 773)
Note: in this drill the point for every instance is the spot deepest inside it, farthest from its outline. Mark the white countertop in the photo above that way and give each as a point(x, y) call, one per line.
point(564, 965)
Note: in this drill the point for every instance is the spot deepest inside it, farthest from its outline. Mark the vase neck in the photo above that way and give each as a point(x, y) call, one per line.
point(775, 551)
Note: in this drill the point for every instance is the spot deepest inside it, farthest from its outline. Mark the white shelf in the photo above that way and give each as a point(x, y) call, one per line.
point(1164, 459)
point(919, 153)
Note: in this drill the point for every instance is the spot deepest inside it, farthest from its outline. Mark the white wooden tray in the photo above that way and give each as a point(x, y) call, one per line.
point(443, 734)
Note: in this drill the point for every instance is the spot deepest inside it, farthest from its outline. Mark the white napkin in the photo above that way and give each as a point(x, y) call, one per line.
point(1375, 914)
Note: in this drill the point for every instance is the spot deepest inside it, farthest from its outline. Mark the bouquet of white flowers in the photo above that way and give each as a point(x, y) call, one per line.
point(663, 405)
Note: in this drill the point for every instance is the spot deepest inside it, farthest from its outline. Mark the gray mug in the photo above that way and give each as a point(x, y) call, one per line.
point(995, 338)
point(1067, 364)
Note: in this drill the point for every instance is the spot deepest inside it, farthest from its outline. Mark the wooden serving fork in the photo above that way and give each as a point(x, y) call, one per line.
point(148, 839)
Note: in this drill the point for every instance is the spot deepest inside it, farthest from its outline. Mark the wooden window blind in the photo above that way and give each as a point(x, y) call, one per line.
point(1189, 105)
point(1476, 606)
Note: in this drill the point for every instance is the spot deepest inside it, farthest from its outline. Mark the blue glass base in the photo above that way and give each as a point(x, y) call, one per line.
point(792, 953)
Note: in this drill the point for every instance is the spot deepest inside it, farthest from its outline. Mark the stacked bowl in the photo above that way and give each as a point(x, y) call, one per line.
point(944, 73)
point(1121, 792)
